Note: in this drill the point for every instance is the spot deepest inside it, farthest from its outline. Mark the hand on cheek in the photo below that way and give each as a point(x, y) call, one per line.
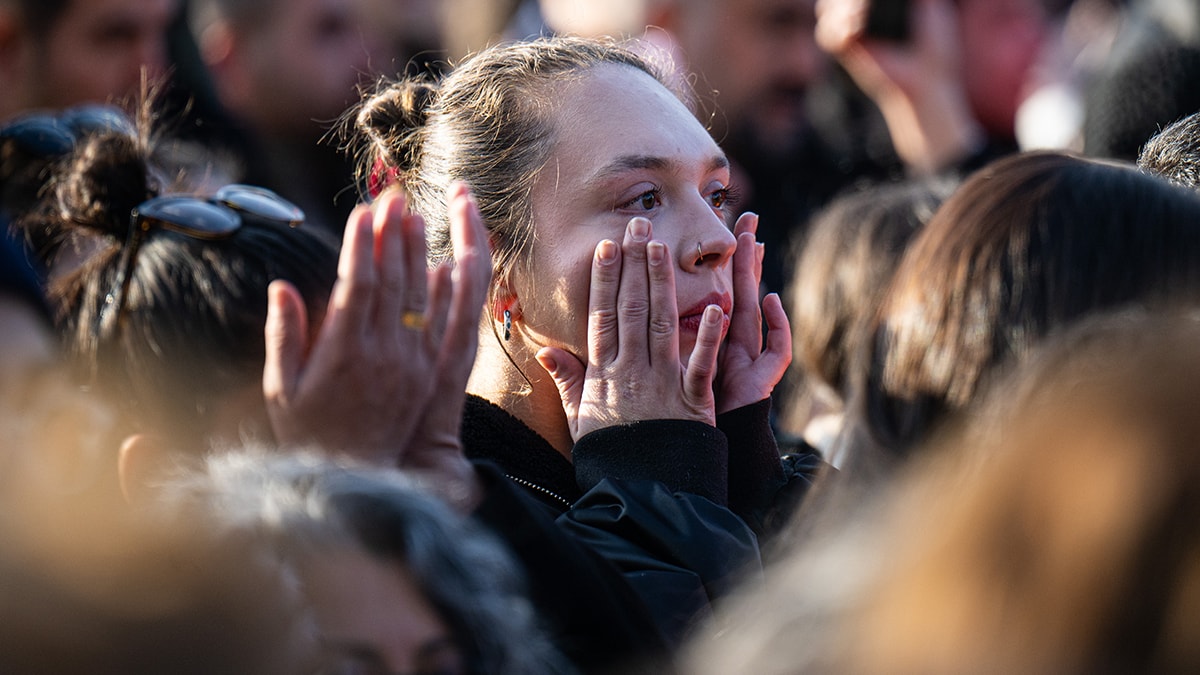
point(633, 371)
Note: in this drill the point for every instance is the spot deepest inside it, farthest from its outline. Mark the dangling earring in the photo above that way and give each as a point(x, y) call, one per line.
point(507, 325)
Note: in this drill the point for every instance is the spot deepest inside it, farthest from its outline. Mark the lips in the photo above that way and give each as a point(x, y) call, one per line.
point(690, 318)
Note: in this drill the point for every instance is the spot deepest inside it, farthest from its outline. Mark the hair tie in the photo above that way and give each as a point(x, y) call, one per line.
point(381, 178)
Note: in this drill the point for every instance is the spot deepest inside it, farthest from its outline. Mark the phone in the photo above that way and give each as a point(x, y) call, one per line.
point(888, 20)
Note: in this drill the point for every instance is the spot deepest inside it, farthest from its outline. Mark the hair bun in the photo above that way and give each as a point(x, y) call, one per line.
point(393, 118)
point(105, 178)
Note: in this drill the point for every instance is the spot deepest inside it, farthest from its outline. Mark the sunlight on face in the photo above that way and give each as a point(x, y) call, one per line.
point(626, 147)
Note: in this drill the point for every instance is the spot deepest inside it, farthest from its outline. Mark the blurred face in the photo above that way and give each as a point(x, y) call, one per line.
point(760, 56)
point(305, 63)
point(625, 147)
point(55, 435)
point(1001, 42)
point(97, 49)
point(372, 619)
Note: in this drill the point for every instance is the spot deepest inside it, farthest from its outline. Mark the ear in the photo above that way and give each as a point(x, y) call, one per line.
point(503, 298)
point(141, 459)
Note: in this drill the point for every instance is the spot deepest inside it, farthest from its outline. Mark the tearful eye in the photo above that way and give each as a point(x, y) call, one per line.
point(648, 201)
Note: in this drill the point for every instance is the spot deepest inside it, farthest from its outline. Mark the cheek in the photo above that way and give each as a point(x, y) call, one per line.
point(554, 301)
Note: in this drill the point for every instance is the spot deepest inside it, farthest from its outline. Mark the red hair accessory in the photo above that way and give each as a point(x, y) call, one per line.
point(381, 178)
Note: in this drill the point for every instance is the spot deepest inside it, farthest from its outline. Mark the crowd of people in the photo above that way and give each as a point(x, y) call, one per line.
point(554, 336)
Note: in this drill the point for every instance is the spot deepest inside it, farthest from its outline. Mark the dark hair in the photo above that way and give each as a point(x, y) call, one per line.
point(191, 325)
point(842, 267)
point(1174, 152)
point(1025, 246)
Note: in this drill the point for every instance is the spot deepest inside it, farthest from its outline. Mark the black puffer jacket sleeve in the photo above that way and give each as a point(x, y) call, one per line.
point(654, 507)
point(764, 488)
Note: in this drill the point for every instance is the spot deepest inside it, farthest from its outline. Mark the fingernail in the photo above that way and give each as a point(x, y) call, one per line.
point(656, 252)
point(712, 314)
point(639, 229)
point(548, 363)
point(606, 251)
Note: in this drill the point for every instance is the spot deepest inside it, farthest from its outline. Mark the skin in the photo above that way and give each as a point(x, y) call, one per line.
point(621, 327)
point(959, 79)
point(95, 52)
point(364, 381)
point(373, 619)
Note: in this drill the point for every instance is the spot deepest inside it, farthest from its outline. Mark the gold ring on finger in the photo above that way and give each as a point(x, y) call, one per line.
point(413, 320)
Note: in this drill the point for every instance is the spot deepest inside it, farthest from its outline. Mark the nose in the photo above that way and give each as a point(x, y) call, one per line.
point(707, 244)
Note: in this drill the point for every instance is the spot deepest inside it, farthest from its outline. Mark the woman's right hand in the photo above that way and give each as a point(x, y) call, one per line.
point(633, 371)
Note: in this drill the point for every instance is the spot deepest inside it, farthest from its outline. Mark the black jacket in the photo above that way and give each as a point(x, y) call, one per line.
point(653, 500)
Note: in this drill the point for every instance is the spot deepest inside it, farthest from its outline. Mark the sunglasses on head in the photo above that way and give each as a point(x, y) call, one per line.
point(204, 218)
point(54, 135)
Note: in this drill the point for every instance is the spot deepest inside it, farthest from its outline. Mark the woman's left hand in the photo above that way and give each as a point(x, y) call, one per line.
point(746, 372)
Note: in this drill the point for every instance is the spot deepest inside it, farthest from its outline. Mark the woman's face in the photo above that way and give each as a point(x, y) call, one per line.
point(625, 147)
point(373, 619)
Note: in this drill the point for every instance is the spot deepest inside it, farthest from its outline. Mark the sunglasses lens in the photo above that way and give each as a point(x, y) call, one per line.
point(261, 203)
point(39, 135)
point(191, 216)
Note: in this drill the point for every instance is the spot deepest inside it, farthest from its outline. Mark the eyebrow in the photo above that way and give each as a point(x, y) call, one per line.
point(633, 162)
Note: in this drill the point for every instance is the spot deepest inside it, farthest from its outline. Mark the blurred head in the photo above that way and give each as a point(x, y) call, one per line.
point(288, 68)
point(58, 53)
point(1026, 246)
point(562, 141)
point(397, 582)
point(843, 266)
point(758, 58)
point(1174, 153)
point(181, 347)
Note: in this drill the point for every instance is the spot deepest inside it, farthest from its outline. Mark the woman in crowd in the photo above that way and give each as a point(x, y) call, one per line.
point(1025, 247)
point(621, 361)
point(373, 552)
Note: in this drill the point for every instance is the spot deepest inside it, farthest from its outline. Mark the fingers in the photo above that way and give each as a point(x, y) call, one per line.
point(702, 364)
point(745, 326)
point(412, 226)
point(633, 297)
point(350, 305)
point(391, 261)
point(602, 303)
point(472, 270)
point(747, 222)
point(286, 334)
point(568, 374)
point(664, 311)
point(779, 330)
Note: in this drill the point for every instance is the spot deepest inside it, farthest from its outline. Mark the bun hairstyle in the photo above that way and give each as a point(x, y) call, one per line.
point(190, 330)
point(489, 123)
